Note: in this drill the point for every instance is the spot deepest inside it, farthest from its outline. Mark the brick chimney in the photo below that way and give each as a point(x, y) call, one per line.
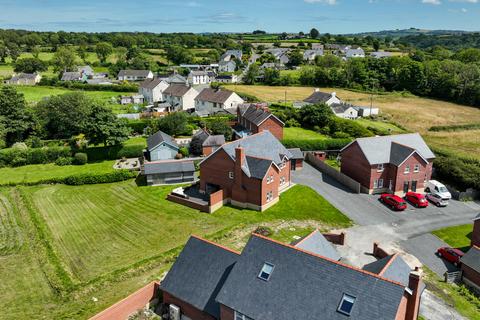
point(413, 303)
point(476, 232)
point(239, 160)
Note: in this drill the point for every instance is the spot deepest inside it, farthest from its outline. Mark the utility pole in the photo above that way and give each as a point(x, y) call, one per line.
point(285, 96)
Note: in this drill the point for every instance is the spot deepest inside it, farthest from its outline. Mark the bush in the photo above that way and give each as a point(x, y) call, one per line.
point(184, 151)
point(459, 172)
point(64, 161)
point(18, 157)
point(138, 126)
point(115, 152)
point(80, 158)
point(20, 146)
point(316, 145)
point(92, 178)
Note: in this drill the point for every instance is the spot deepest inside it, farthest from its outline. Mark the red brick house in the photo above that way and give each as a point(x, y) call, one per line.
point(251, 171)
point(471, 268)
point(398, 163)
point(476, 231)
point(255, 118)
point(272, 280)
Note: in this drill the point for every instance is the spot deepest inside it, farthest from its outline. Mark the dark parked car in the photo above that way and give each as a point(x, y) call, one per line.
point(393, 201)
point(417, 199)
point(451, 255)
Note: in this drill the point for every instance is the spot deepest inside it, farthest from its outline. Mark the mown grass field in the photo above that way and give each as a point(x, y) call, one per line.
point(413, 113)
point(39, 172)
point(111, 239)
point(294, 133)
point(457, 236)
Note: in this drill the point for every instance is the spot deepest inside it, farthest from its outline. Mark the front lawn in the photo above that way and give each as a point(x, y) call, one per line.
point(296, 133)
point(38, 172)
point(457, 236)
point(105, 241)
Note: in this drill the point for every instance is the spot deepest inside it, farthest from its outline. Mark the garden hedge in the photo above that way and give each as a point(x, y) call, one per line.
point(17, 157)
point(114, 152)
point(316, 144)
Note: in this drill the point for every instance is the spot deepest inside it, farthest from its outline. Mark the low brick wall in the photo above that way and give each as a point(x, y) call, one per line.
point(216, 197)
point(190, 204)
point(134, 302)
point(335, 238)
point(378, 252)
point(351, 184)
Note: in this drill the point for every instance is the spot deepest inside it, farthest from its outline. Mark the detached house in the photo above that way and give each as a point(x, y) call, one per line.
point(255, 118)
point(398, 163)
point(152, 89)
point(229, 54)
point(26, 79)
point(344, 110)
point(272, 280)
point(180, 96)
point(319, 97)
point(355, 53)
point(251, 172)
point(134, 75)
point(198, 77)
point(211, 101)
point(227, 66)
point(310, 55)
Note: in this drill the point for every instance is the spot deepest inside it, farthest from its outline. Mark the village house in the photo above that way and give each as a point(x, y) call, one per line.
point(272, 280)
point(344, 110)
point(319, 97)
point(397, 163)
point(296, 159)
point(135, 75)
point(367, 111)
point(310, 55)
point(168, 172)
point(86, 70)
point(355, 53)
point(25, 79)
point(251, 171)
point(134, 99)
point(227, 66)
point(280, 54)
point(254, 118)
point(198, 78)
point(228, 78)
point(211, 101)
point(180, 97)
point(73, 76)
point(229, 54)
point(160, 146)
point(152, 89)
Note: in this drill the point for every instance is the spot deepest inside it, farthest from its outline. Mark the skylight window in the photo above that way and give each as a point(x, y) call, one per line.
point(266, 271)
point(346, 305)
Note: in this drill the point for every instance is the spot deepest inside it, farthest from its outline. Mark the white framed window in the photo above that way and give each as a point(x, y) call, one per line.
point(271, 179)
point(282, 181)
point(266, 271)
point(380, 167)
point(346, 304)
point(269, 196)
point(380, 183)
point(407, 169)
point(268, 179)
point(375, 184)
point(230, 175)
point(241, 316)
point(416, 168)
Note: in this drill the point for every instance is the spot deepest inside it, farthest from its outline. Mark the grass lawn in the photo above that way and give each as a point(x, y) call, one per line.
point(294, 133)
point(457, 236)
point(111, 239)
point(136, 141)
point(413, 113)
point(381, 126)
point(38, 172)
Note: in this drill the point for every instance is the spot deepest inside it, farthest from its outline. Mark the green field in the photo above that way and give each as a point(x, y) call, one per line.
point(295, 133)
point(106, 241)
point(457, 236)
point(39, 172)
point(381, 126)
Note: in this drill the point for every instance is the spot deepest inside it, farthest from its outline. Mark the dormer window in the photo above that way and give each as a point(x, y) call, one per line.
point(380, 167)
point(346, 304)
point(266, 271)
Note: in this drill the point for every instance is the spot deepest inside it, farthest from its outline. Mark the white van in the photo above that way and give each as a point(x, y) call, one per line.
point(435, 187)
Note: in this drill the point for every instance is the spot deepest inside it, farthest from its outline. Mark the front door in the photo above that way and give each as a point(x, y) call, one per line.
point(405, 187)
point(414, 186)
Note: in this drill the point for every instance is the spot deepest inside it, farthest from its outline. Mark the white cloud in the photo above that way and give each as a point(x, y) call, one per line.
point(434, 2)
point(468, 1)
point(329, 2)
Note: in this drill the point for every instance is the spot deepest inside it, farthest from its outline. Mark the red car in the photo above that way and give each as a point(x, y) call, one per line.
point(450, 254)
point(417, 199)
point(393, 201)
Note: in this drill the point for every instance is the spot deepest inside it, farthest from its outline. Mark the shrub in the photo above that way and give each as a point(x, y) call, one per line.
point(64, 161)
point(138, 126)
point(184, 151)
point(316, 145)
point(20, 146)
point(92, 178)
point(80, 158)
point(16, 157)
point(115, 152)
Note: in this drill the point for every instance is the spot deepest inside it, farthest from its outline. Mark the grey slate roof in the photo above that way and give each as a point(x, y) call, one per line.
point(213, 95)
point(477, 217)
point(296, 153)
point(176, 90)
point(151, 83)
point(340, 107)
point(174, 166)
point(318, 97)
point(304, 286)
point(379, 149)
point(399, 152)
point(176, 78)
point(134, 73)
point(212, 141)
point(198, 73)
point(29, 76)
point(71, 76)
point(202, 135)
point(316, 243)
point(392, 267)
point(257, 167)
point(472, 258)
point(198, 274)
point(256, 115)
point(159, 137)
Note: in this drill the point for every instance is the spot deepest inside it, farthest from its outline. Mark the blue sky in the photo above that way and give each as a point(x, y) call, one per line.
point(334, 16)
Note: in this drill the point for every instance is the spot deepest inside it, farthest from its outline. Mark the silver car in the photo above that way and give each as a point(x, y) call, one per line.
point(437, 200)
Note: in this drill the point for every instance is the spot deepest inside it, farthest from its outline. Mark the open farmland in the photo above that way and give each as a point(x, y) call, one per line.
point(105, 241)
point(411, 112)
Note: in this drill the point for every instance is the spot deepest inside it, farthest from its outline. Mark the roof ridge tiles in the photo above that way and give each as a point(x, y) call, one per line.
point(215, 244)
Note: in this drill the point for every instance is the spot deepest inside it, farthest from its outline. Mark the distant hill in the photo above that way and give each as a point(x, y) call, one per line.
point(409, 32)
